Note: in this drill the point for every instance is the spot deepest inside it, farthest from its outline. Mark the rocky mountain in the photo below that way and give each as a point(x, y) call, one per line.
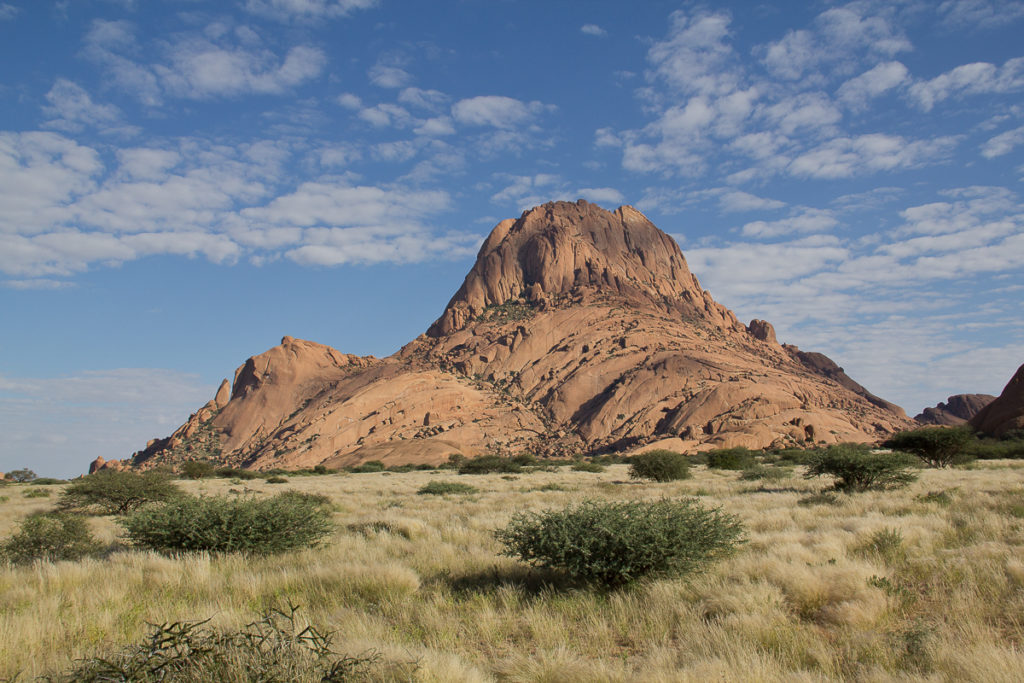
point(956, 410)
point(578, 330)
point(1006, 413)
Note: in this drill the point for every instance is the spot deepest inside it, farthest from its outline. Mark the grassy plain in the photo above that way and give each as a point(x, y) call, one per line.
point(924, 583)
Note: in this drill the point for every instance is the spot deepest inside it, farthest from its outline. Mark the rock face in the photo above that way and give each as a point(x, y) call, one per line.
point(578, 330)
point(1006, 412)
point(957, 409)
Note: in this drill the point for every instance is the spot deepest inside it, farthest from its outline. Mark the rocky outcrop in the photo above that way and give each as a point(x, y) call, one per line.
point(957, 409)
point(100, 464)
point(578, 330)
point(1006, 412)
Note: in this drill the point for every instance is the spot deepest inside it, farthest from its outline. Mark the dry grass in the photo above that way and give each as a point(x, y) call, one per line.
point(900, 585)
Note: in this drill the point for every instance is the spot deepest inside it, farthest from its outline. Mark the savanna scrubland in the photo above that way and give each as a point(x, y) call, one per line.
point(924, 582)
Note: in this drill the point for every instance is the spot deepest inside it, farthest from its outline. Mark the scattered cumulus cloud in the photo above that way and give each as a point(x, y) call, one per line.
point(969, 79)
point(496, 111)
point(7, 11)
point(857, 92)
point(71, 108)
point(608, 196)
point(1003, 143)
point(307, 9)
point(387, 76)
point(980, 13)
point(593, 30)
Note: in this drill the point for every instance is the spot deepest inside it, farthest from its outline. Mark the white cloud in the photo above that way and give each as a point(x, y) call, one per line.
point(593, 30)
point(496, 111)
point(147, 163)
point(807, 221)
point(857, 91)
point(969, 79)
point(528, 191)
point(435, 127)
point(37, 283)
point(106, 43)
point(846, 157)
point(696, 57)
point(602, 195)
point(1003, 143)
point(387, 115)
point(431, 100)
point(797, 52)
point(72, 108)
point(804, 112)
point(349, 101)
point(307, 9)
point(200, 69)
point(7, 12)
point(736, 200)
point(981, 13)
point(385, 76)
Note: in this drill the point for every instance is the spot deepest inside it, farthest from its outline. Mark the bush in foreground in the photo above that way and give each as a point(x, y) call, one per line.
point(49, 537)
point(616, 543)
point(258, 526)
point(857, 469)
point(110, 492)
point(936, 446)
point(660, 465)
point(268, 650)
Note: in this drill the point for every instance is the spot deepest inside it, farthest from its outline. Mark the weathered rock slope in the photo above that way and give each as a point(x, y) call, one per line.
point(957, 409)
point(1006, 413)
point(578, 330)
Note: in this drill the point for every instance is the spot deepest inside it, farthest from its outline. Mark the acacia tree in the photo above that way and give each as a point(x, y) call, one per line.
point(857, 469)
point(116, 493)
point(936, 446)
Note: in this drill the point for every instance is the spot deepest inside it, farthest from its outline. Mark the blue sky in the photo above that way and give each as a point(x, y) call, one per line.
point(182, 183)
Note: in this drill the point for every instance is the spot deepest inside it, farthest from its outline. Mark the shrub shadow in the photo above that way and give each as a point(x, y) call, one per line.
point(532, 582)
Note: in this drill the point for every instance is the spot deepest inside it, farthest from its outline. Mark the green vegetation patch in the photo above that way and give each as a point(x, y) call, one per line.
point(510, 311)
point(51, 537)
point(857, 469)
point(440, 488)
point(616, 543)
point(659, 465)
point(111, 492)
point(487, 464)
point(258, 526)
point(731, 459)
point(935, 446)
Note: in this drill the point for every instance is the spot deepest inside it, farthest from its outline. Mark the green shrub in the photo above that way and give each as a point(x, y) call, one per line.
point(791, 456)
point(995, 449)
point(368, 466)
point(235, 473)
point(936, 446)
point(252, 525)
point(4, 499)
point(762, 473)
point(49, 536)
point(731, 459)
point(486, 464)
point(856, 468)
point(886, 544)
point(525, 459)
point(660, 465)
point(277, 480)
point(439, 488)
point(111, 492)
point(48, 481)
point(454, 462)
point(36, 493)
point(196, 469)
point(615, 543)
point(273, 649)
point(587, 467)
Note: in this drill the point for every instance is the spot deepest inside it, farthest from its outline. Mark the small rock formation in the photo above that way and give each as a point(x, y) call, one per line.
point(957, 409)
point(1006, 412)
point(100, 464)
point(578, 330)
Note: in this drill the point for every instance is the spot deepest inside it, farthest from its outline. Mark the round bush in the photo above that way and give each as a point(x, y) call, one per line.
point(196, 469)
point(587, 467)
point(52, 537)
point(857, 469)
point(614, 543)
point(253, 525)
point(660, 465)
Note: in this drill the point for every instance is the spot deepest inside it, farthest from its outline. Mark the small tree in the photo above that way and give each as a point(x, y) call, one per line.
point(111, 492)
point(660, 465)
point(857, 469)
point(49, 537)
point(22, 475)
point(196, 469)
point(486, 464)
point(936, 446)
point(615, 543)
point(738, 458)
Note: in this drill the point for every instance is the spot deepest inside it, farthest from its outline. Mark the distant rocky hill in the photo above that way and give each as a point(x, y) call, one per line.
point(956, 410)
point(1006, 413)
point(577, 331)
